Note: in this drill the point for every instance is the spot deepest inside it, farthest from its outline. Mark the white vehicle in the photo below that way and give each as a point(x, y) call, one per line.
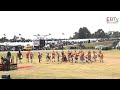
point(99, 47)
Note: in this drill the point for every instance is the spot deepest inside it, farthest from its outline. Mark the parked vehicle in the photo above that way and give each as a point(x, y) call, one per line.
point(106, 48)
point(28, 47)
point(99, 47)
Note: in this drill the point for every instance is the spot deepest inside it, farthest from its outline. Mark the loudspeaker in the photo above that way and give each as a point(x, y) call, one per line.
point(5, 76)
point(42, 43)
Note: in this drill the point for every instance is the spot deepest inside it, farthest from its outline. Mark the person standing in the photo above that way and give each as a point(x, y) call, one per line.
point(31, 57)
point(27, 56)
point(48, 57)
point(76, 57)
point(69, 54)
point(65, 58)
point(20, 56)
point(81, 56)
point(100, 55)
point(88, 57)
point(40, 56)
point(72, 57)
point(58, 56)
point(9, 55)
point(62, 53)
point(94, 56)
point(53, 56)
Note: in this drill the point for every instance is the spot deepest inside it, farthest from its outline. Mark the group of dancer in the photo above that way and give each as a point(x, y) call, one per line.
point(74, 57)
point(70, 56)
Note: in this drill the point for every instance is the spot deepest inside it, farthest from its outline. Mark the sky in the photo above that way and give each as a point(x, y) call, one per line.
point(29, 23)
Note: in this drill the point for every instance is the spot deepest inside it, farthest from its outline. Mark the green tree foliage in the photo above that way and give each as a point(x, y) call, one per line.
point(100, 34)
point(82, 33)
point(3, 39)
point(116, 34)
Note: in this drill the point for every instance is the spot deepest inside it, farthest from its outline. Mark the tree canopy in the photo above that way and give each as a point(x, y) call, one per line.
point(84, 33)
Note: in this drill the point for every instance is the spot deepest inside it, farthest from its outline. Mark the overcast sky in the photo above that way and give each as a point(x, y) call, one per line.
point(29, 23)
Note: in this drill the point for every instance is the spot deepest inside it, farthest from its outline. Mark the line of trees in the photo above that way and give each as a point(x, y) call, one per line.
point(84, 33)
point(14, 39)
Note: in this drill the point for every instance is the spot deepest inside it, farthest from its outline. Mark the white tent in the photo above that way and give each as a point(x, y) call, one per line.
point(16, 43)
point(118, 45)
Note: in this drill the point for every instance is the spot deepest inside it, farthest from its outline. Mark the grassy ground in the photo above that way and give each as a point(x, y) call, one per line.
point(108, 43)
point(97, 43)
point(110, 69)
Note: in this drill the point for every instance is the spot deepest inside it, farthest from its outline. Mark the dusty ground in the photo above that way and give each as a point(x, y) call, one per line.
point(110, 69)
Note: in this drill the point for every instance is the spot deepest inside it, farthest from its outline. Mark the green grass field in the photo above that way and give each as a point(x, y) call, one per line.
point(88, 45)
point(97, 43)
point(110, 69)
